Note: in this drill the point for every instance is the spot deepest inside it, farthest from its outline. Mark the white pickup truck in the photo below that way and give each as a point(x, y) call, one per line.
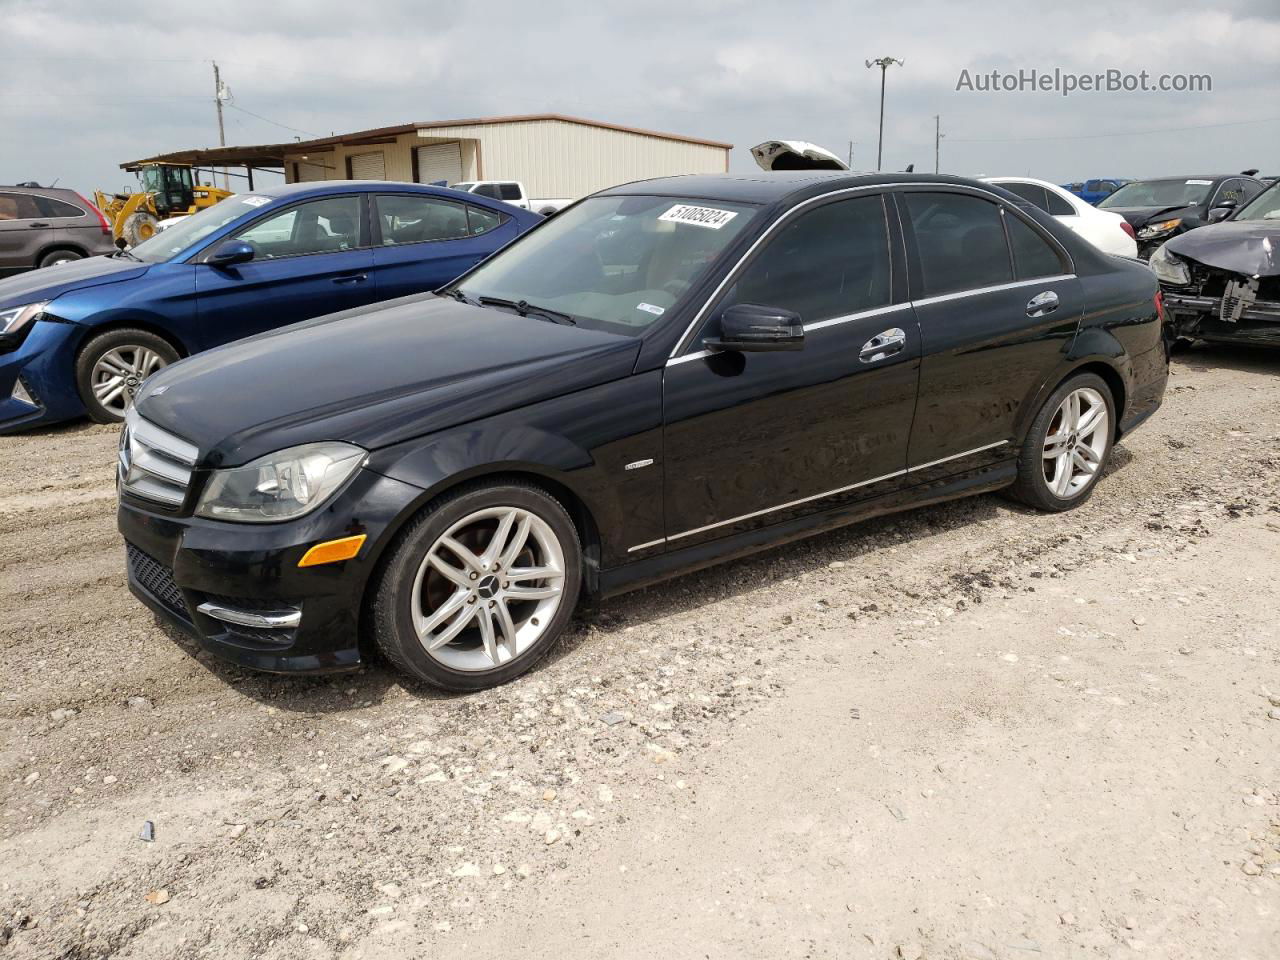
point(513, 192)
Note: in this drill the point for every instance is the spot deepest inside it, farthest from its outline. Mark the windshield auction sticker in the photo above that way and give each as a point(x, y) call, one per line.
point(708, 217)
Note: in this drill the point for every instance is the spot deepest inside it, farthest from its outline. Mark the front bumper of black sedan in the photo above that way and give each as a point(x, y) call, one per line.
point(237, 587)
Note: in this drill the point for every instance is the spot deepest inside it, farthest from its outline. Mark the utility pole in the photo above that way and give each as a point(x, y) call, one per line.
point(883, 63)
point(937, 141)
point(220, 94)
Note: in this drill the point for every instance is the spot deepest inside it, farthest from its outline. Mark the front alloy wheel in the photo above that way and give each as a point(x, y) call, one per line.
point(111, 368)
point(479, 586)
point(488, 588)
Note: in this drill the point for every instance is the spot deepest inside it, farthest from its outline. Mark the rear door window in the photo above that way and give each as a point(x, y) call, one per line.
point(509, 191)
point(960, 241)
point(489, 190)
point(828, 262)
point(1032, 254)
point(49, 207)
point(480, 220)
point(1031, 192)
point(404, 218)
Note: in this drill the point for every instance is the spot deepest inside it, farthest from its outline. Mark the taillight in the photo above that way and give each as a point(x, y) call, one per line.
point(102, 220)
point(1159, 298)
point(1127, 227)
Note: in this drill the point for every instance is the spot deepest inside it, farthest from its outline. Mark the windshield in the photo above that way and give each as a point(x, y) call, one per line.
point(613, 263)
point(1265, 206)
point(170, 242)
point(1159, 193)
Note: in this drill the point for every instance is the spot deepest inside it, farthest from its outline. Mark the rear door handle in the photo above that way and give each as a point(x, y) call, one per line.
point(34, 225)
point(358, 278)
point(884, 344)
point(1042, 303)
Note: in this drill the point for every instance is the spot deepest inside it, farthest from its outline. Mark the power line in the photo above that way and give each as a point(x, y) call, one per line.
point(276, 123)
point(1100, 136)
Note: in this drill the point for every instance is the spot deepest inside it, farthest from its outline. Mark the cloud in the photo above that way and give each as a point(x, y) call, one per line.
point(84, 87)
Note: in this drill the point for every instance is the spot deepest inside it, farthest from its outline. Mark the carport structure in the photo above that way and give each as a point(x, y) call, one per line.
point(553, 154)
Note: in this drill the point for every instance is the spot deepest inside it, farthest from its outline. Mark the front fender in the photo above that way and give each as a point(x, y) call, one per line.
point(163, 299)
point(581, 444)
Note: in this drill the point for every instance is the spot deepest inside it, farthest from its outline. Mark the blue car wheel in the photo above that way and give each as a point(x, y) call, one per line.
point(112, 366)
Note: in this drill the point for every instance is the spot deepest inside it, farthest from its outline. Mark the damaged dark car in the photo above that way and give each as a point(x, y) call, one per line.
point(1222, 282)
point(1167, 207)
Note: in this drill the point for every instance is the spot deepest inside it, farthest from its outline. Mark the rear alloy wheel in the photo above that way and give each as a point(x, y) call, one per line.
point(1067, 447)
point(480, 587)
point(55, 257)
point(112, 367)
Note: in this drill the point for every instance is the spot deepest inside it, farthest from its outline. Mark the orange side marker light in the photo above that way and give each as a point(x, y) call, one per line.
point(332, 551)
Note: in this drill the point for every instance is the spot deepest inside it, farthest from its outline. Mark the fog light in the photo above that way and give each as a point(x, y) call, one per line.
point(332, 551)
point(20, 392)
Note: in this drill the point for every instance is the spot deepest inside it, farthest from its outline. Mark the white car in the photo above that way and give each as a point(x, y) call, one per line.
point(1109, 232)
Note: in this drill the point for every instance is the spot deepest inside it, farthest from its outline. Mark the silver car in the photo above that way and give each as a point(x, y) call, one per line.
point(44, 226)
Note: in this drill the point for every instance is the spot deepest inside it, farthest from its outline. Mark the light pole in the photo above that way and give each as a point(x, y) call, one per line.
point(883, 63)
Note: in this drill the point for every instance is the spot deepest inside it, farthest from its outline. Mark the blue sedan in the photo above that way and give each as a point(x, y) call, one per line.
point(81, 337)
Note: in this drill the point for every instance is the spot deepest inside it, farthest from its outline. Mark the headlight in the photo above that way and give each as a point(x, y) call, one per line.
point(13, 319)
point(1164, 227)
point(1169, 268)
point(281, 485)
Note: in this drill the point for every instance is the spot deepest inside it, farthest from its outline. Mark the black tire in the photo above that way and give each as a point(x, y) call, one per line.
point(59, 256)
point(391, 618)
point(1031, 486)
point(97, 347)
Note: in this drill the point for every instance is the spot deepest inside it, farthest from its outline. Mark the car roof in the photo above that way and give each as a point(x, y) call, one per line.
point(763, 188)
point(1193, 176)
point(307, 187)
point(65, 191)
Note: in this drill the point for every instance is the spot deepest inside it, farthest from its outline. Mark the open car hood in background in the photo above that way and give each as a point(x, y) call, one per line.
point(795, 155)
point(1251, 247)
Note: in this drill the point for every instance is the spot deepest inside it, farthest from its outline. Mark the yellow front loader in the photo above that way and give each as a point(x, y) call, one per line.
point(168, 190)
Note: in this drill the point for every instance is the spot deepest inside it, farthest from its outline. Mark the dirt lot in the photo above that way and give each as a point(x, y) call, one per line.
point(968, 731)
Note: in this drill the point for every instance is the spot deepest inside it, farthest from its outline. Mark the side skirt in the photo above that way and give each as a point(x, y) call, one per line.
point(642, 573)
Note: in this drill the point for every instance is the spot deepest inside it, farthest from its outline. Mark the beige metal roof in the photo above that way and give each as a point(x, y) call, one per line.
point(272, 154)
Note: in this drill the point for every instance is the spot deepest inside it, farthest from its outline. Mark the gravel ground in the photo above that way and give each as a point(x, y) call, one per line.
point(966, 731)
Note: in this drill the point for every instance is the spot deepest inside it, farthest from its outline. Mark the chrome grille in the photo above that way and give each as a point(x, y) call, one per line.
point(155, 464)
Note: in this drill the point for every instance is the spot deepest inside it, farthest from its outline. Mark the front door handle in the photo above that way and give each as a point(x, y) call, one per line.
point(1042, 303)
point(884, 344)
point(358, 278)
point(34, 225)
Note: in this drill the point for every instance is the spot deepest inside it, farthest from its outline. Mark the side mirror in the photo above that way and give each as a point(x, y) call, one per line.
point(231, 252)
point(1220, 213)
point(751, 328)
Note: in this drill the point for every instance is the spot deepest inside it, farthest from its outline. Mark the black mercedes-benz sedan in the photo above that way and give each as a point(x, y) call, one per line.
point(666, 375)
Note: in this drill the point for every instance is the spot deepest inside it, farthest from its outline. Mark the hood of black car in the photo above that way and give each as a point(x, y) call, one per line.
point(375, 376)
point(1141, 216)
point(49, 282)
point(1251, 247)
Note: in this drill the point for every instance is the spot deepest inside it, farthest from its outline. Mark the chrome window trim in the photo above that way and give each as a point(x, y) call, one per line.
point(816, 496)
point(995, 288)
point(885, 188)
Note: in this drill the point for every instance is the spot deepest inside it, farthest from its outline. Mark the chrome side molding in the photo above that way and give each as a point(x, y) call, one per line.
point(263, 620)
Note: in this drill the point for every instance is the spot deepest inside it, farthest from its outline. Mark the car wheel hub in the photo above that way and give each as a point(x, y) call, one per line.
point(488, 588)
point(119, 373)
point(1076, 442)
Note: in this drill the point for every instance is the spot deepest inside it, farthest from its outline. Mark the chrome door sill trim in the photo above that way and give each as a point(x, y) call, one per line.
point(816, 496)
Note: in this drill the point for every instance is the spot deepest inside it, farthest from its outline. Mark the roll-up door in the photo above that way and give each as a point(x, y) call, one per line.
point(440, 161)
point(368, 166)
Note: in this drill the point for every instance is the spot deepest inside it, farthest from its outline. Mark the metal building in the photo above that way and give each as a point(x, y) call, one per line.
point(553, 155)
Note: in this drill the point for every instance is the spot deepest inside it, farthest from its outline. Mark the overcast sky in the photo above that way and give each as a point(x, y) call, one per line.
point(87, 85)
